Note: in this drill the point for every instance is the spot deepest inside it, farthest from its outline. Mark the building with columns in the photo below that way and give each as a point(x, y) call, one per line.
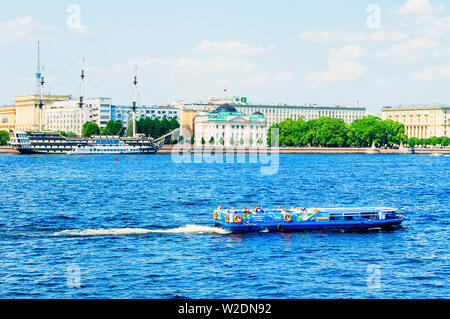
point(27, 112)
point(421, 121)
point(229, 127)
point(277, 113)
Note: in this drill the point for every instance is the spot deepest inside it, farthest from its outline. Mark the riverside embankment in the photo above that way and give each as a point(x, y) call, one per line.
point(167, 149)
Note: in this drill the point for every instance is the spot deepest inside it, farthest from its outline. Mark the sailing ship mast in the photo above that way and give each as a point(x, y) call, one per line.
point(134, 101)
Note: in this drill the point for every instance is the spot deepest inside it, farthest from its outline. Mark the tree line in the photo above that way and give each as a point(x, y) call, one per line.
point(443, 141)
point(149, 127)
point(335, 132)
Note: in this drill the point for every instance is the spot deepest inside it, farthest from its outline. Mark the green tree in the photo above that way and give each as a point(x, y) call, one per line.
point(192, 140)
point(211, 140)
point(413, 141)
point(241, 141)
point(71, 134)
point(90, 129)
point(203, 141)
point(232, 141)
point(221, 141)
point(113, 128)
point(4, 137)
point(173, 124)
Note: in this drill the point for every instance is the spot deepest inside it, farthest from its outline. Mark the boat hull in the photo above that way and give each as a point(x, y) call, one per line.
point(314, 225)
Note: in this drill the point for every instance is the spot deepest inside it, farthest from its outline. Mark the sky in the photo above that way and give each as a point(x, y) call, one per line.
point(291, 52)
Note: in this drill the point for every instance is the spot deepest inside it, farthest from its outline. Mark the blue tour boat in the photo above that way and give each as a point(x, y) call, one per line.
point(299, 218)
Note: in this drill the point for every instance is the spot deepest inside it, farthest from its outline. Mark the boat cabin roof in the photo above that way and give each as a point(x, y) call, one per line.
point(356, 210)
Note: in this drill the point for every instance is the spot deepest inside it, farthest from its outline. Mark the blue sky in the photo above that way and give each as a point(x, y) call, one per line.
point(293, 52)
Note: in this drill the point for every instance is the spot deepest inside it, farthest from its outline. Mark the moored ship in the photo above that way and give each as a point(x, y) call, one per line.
point(43, 142)
point(299, 218)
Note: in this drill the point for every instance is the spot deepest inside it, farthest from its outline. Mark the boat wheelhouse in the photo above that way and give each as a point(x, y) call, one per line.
point(296, 219)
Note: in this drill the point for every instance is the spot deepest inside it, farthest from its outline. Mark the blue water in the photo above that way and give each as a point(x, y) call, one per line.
point(141, 228)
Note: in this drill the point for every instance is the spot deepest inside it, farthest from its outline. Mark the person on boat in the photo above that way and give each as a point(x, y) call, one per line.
point(220, 207)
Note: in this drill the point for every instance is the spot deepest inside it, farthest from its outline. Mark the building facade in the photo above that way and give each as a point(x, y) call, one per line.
point(7, 118)
point(227, 126)
point(421, 121)
point(277, 113)
point(124, 113)
point(67, 116)
point(27, 112)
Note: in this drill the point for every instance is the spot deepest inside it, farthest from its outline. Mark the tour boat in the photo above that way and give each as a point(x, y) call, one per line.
point(299, 218)
point(47, 142)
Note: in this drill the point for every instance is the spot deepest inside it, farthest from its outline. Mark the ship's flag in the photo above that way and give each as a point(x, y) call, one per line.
point(5, 120)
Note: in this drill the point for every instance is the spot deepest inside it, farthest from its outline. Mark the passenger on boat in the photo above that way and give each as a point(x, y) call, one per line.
point(220, 207)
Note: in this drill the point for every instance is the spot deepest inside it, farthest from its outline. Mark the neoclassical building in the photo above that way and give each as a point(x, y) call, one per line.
point(226, 126)
point(421, 121)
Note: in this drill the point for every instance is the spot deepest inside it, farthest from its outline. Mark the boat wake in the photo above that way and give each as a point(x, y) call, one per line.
point(188, 229)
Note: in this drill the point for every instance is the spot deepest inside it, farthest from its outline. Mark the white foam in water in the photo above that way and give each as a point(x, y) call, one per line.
point(188, 229)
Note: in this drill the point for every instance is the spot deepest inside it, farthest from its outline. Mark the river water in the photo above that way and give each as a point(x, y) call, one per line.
point(141, 227)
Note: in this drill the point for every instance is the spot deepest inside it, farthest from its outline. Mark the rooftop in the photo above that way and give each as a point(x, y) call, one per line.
point(415, 106)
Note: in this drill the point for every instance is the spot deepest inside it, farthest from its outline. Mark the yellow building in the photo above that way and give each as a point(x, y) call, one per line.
point(27, 110)
point(7, 118)
point(421, 121)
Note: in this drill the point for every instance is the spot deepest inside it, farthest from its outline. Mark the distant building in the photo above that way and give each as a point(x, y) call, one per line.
point(67, 116)
point(230, 126)
point(421, 121)
point(27, 110)
point(7, 117)
point(124, 113)
point(278, 113)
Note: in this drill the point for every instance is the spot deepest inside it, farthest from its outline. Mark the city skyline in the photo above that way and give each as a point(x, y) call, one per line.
point(383, 53)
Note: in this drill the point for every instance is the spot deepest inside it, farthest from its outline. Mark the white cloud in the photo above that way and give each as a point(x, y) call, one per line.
point(412, 50)
point(432, 73)
point(416, 7)
point(231, 48)
point(348, 52)
point(339, 71)
point(22, 29)
point(387, 36)
point(343, 35)
point(442, 23)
